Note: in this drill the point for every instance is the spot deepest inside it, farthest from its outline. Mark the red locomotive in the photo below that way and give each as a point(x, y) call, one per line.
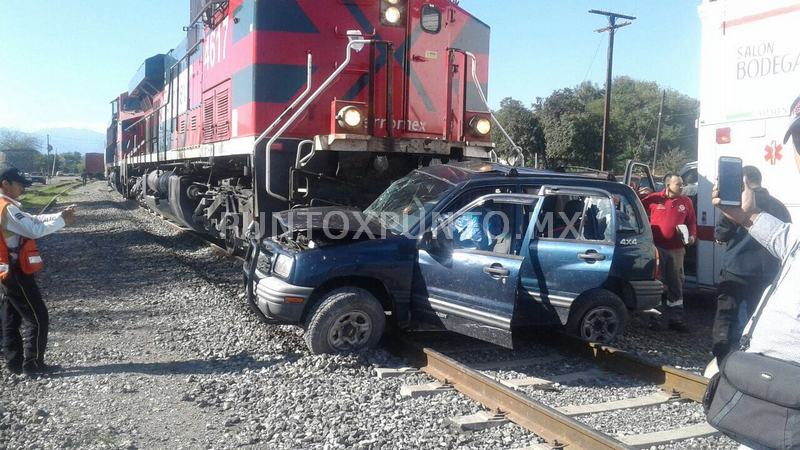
point(270, 104)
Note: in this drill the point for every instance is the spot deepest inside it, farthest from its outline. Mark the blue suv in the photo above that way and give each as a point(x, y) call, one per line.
point(478, 248)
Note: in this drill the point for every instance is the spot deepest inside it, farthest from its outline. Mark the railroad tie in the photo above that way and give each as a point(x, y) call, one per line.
point(647, 440)
point(537, 447)
point(478, 421)
point(519, 383)
point(535, 382)
point(424, 390)
point(628, 403)
point(387, 372)
point(581, 375)
point(499, 365)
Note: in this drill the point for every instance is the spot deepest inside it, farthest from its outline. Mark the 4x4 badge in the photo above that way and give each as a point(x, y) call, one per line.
point(626, 241)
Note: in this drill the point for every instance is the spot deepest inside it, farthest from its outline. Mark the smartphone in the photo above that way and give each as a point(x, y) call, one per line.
point(729, 181)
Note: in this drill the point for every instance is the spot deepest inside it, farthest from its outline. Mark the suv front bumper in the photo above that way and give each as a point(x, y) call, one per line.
point(648, 294)
point(278, 300)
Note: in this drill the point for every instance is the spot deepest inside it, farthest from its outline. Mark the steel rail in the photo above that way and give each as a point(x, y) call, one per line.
point(54, 200)
point(557, 428)
point(668, 378)
point(212, 243)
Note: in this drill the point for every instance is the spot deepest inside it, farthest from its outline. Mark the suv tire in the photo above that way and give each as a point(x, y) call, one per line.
point(600, 316)
point(345, 320)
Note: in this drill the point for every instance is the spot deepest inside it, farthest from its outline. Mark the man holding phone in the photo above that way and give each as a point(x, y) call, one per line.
point(670, 211)
point(747, 267)
point(778, 330)
point(776, 333)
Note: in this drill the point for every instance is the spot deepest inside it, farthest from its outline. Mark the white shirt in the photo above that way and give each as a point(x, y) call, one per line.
point(16, 223)
point(777, 332)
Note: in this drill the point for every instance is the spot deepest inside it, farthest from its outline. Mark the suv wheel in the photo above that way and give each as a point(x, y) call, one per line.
point(600, 317)
point(345, 320)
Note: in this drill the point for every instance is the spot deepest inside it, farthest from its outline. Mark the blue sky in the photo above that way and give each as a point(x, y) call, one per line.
point(63, 61)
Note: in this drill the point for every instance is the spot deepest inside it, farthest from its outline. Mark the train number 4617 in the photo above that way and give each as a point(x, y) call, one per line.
point(215, 48)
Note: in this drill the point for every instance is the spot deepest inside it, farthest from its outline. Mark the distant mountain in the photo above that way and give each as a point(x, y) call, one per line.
point(72, 140)
point(66, 140)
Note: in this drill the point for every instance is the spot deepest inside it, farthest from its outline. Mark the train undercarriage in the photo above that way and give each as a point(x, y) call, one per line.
point(224, 196)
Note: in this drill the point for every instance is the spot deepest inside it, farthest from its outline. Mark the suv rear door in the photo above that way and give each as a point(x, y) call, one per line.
point(568, 246)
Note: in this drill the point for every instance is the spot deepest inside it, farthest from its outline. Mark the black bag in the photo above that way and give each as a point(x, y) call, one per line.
point(755, 399)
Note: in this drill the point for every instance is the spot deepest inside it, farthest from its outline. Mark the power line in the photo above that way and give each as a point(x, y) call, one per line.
point(594, 58)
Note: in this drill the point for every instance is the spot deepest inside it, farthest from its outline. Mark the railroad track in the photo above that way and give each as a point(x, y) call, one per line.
point(54, 200)
point(218, 245)
point(527, 389)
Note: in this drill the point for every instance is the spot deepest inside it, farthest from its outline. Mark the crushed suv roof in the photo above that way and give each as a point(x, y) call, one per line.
point(461, 171)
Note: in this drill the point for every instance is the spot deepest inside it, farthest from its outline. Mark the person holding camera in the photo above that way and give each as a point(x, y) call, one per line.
point(22, 302)
point(753, 397)
point(747, 267)
point(669, 211)
point(778, 330)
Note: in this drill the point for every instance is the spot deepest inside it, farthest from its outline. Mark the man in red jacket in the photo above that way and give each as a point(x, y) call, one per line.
point(668, 211)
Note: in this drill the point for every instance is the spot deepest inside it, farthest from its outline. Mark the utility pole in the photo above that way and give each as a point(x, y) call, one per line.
point(658, 128)
point(611, 29)
point(53, 171)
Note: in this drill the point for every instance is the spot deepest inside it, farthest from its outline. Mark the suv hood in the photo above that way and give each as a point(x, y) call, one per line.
point(332, 218)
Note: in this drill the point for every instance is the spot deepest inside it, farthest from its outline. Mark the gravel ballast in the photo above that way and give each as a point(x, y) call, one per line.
point(159, 351)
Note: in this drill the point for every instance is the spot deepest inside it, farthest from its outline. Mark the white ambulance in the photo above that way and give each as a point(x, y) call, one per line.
point(750, 74)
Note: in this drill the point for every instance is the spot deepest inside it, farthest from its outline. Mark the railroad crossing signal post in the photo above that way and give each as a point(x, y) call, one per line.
point(612, 27)
point(49, 149)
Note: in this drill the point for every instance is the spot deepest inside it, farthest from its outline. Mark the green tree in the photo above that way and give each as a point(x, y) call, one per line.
point(571, 127)
point(17, 140)
point(524, 129)
point(672, 161)
point(20, 150)
point(572, 123)
point(634, 120)
point(70, 162)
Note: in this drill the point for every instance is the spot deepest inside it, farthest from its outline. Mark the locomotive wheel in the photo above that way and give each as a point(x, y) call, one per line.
point(345, 320)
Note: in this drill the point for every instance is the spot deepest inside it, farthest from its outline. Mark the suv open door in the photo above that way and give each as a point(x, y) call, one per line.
point(638, 176)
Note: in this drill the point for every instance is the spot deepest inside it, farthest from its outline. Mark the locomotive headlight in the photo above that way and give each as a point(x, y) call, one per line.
point(392, 15)
point(350, 117)
point(392, 2)
point(283, 266)
point(481, 125)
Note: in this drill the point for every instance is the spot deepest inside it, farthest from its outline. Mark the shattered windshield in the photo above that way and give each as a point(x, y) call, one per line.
point(408, 199)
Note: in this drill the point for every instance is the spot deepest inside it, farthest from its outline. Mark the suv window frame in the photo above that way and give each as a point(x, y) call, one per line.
point(579, 191)
point(458, 194)
point(624, 196)
point(640, 224)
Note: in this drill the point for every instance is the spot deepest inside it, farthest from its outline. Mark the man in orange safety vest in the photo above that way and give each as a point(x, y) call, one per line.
point(22, 302)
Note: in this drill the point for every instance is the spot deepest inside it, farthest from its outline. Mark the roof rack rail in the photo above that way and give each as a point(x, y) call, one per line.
point(586, 171)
